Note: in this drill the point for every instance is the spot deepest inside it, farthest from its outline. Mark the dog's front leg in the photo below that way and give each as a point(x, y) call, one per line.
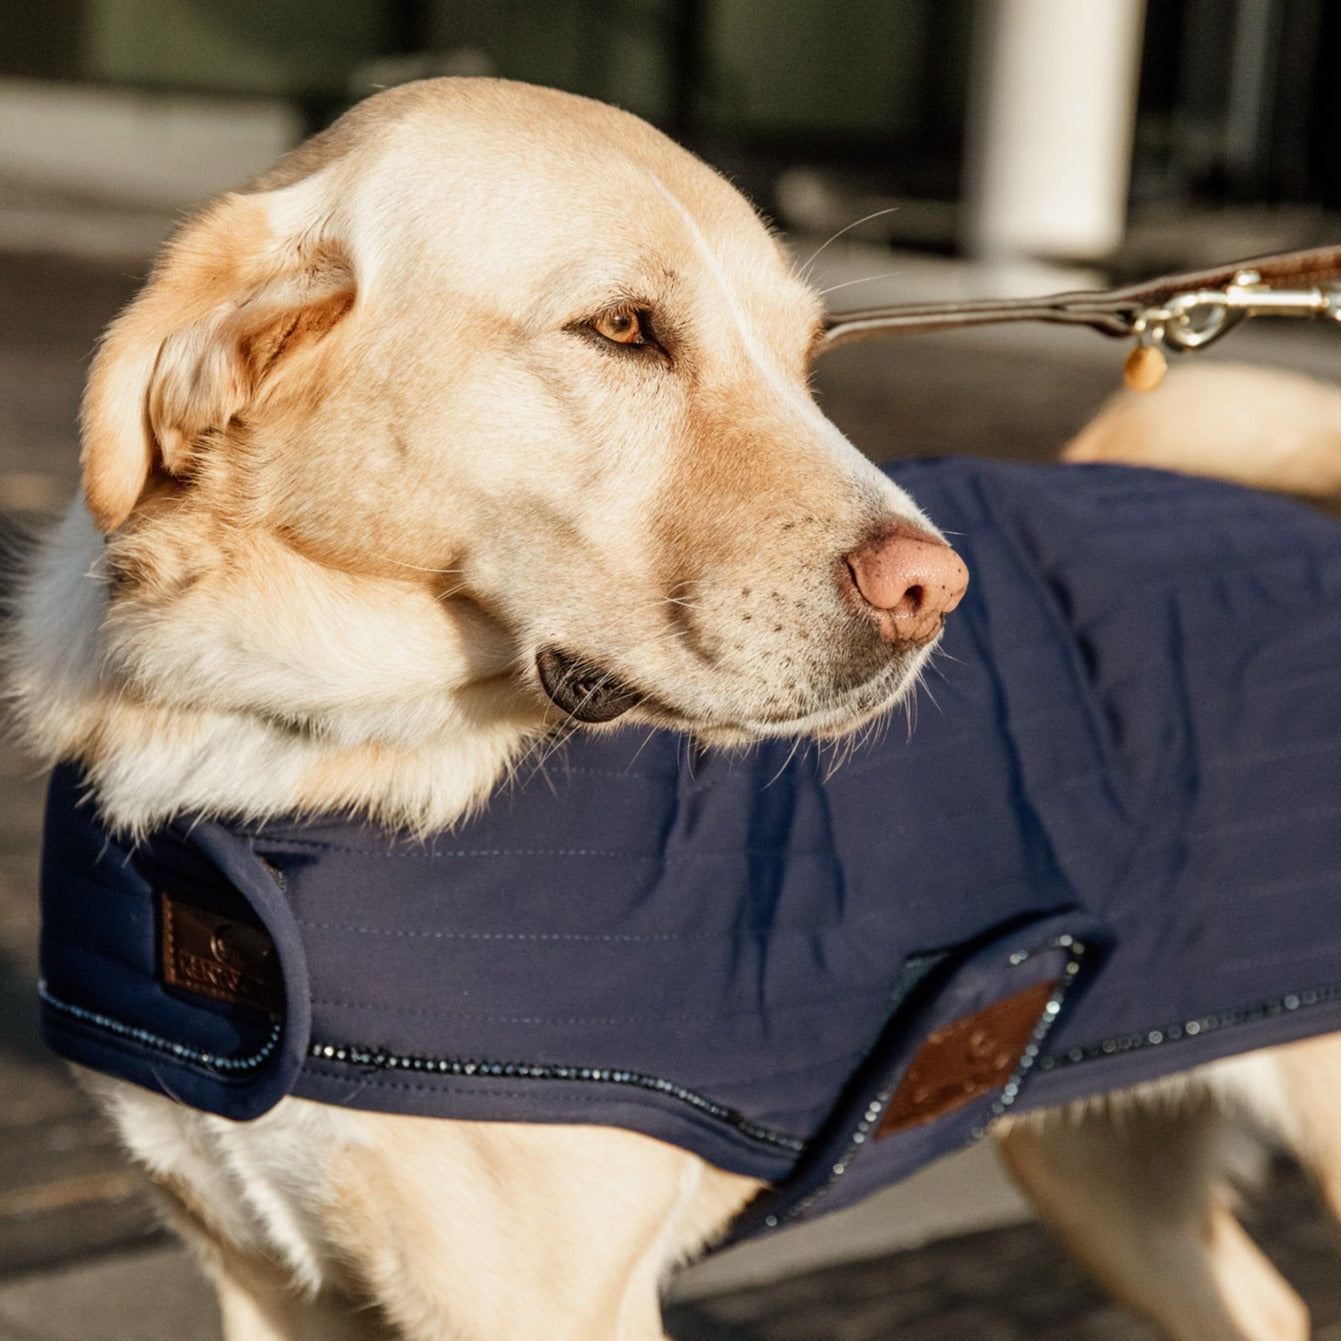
point(508, 1232)
point(1302, 1082)
point(259, 1299)
point(257, 1305)
point(1138, 1191)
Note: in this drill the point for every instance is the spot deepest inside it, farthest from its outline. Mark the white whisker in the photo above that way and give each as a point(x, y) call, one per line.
point(847, 228)
point(416, 568)
point(848, 283)
point(797, 742)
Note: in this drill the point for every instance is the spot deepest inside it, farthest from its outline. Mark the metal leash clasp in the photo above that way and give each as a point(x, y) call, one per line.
point(1199, 317)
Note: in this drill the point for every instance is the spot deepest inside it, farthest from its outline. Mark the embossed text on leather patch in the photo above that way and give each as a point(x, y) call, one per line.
point(966, 1058)
point(215, 957)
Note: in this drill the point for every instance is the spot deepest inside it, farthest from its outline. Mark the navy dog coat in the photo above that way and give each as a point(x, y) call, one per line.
point(1107, 849)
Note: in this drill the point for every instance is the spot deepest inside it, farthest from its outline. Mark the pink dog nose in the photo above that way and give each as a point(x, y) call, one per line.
point(910, 581)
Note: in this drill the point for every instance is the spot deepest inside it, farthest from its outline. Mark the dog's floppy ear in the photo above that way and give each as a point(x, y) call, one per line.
point(241, 289)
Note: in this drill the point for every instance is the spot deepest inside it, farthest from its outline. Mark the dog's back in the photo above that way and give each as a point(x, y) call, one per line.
point(1264, 427)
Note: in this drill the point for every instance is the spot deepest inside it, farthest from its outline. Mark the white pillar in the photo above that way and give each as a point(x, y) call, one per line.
point(1050, 127)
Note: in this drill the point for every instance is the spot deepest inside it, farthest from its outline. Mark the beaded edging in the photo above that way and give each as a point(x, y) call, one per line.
point(1185, 1029)
point(603, 1075)
point(178, 1051)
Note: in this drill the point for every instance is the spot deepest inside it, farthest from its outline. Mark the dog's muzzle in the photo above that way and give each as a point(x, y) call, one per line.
point(585, 692)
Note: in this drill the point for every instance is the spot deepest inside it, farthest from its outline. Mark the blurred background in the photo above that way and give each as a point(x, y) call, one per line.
point(949, 148)
point(1083, 130)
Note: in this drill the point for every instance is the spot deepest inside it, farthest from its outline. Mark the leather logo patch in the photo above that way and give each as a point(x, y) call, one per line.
point(214, 957)
point(965, 1059)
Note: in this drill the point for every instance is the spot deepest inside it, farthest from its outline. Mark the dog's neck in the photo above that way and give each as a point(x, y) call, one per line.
point(149, 761)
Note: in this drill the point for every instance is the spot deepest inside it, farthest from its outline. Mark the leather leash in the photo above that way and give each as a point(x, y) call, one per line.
point(1182, 311)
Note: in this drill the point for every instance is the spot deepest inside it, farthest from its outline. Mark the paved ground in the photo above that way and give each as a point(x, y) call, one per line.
point(1008, 1284)
point(78, 1251)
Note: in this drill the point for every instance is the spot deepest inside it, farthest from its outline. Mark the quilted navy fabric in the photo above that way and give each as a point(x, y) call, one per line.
point(1124, 777)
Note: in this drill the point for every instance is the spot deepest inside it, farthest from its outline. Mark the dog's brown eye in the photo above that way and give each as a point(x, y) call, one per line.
point(622, 327)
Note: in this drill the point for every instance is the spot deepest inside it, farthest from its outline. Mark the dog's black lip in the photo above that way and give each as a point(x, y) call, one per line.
point(583, 690)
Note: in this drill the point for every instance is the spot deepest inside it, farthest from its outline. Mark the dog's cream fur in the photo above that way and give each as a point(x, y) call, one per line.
point(361, 449)
point(1263, 427)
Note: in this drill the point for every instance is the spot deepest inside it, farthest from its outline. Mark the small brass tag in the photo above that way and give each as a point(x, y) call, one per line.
point(1144, 368)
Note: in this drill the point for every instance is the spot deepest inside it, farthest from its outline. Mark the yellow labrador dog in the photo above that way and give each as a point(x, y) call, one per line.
point(471, 390)
point(1263, 427)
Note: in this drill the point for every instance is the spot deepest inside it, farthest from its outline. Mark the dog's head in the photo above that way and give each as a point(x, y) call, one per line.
point(492, 399)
